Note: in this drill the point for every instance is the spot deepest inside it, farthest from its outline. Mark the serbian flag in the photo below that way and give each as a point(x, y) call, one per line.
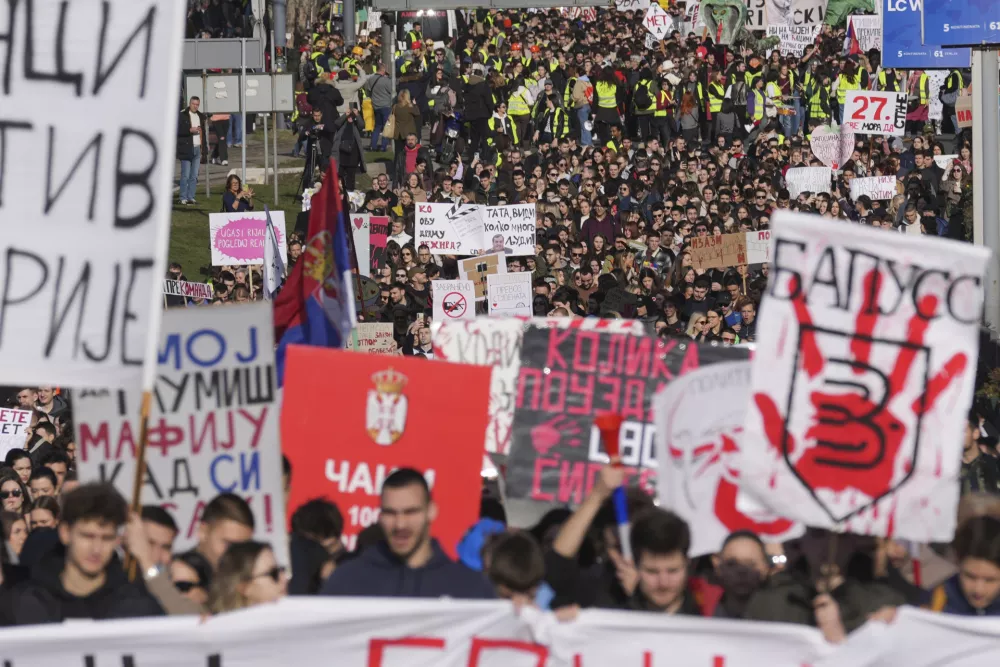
point(853, 45)
point(316, 305)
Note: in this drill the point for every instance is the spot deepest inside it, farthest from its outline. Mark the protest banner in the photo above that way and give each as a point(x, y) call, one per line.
point(568, 377)
point(510, 230)
point(496, 342)
point(875, 112)
point(944, 161)
point(935, 107)
point(833, 145)
point(238, 238)
point(449, 229)
point(478, 269)
point(874, 187)
point(698, 454)
point(453, 300)
point(713, 252)
point(186, 289)
point(759, 247)
point(361, 231)
point(658, 22)
point(693, 21)
point(389, 415)
point(756, 15)
point(13, 429)
point(795, 12)
point(372, 338)
point(808, 179)
point(794, 39)
point(842, 334)
point(89, 137)
point(867, 30)
point(213, 427)
point(378, 238)
point(631, 5)
point(510, 295)
point(964, 111)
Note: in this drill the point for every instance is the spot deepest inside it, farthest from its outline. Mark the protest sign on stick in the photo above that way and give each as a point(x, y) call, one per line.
point(13, 429)
point(758, 247)
point(658, 22)
point(833, 145)
point(478, 269)
point(510, 294)
point(186, 289)
point(361, 230)
point(875, 112)
point(213, 426)
point(808, 179)
point(449, 229)
point(510, 230)
point(861, 380)
point(372, 338)
point(238, 238)
point(453, 300)
point(875, 187)
point(712, 252)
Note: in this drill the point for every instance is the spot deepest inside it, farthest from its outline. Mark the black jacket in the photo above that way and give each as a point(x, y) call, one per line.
point(185, 140)
point(42, 599)
point(478, 98)
point(326, 98)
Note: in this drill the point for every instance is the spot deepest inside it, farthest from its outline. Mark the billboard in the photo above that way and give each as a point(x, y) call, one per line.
point(961, 22)
point(901, 40)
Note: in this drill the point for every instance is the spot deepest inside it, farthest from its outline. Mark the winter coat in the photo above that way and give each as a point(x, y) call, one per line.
point(406, 120)
point(325, 97)
point(948, 598)
point(377, 572)
point(341, 136)
point(349, 91)
point(185, 140)
point(478, 98)
point(379, 87)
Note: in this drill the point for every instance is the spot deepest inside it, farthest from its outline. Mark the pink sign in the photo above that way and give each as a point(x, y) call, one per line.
point(238, 238)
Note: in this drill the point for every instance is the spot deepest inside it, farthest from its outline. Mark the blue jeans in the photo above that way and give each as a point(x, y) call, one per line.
point(235, 134)
point(189, 174)
point(583, 115)
point(786, 123)
point(798, 120)
point(380, 143)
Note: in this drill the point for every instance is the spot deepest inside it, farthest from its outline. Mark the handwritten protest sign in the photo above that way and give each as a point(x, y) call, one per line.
point(510, 294)
point(496, 342)
point(875, 112)
point(875, 187)
point(361, 230)
point(759, 247)
point(449, 229)
point(378, 238)
point(566, 378)
point(390, 415)
point(510, 229)
point(756, 15)
point(238, 238)
point(631, 5)
point(13, 429)
point(867, 30)
point(186, 289)
point(213, 427)
point(658, 22)
point(372, 338)
point(713, 252)
point(861, 381)
point(795, 12)
point(698, 454)
point(833, 145)
point(794, 39)
point(478, 269)
point(808, 179)
point(89, 135)
point(453, 300)
point(944, 161)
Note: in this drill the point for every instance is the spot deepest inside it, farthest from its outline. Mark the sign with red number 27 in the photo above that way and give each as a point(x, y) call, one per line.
point(875, 112)
point(863, 377)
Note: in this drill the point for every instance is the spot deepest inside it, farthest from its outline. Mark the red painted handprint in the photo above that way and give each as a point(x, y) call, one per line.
point(855, 431)
point(547, 435)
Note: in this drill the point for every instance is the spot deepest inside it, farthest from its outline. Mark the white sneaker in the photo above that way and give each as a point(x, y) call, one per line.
point(225, 163)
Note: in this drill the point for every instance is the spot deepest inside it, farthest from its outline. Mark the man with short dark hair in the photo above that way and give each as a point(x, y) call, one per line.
point(57, 461)
point(660, 542)
point(408, 562)
point(42, 483)
point(314, 544)
point(227, 519)
point(84, 579)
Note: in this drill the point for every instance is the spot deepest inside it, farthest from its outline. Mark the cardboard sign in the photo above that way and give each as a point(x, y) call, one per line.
point(213, 427)
point(895, 360)
point(13, 429)
point(389, 415)
point(794, 39)
point(875, 112)
point(89, 138)
point(378, 238)
point(876, 187)
point(867, 30)
point(510, 230)
point(449, 229)
point(361, 230)
point(833, 145)
point(373, 338)
point(510, 295)
point(186, 289)
point(238, 238)
point(478, 269)
point(759, 247)
point(715, 252)
point(808, 179)
point(453, 300)
point(963, 109)
point(658, 22)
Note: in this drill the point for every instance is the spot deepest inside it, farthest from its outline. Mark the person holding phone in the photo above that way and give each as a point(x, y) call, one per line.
point(347, 147)
point(236, 198)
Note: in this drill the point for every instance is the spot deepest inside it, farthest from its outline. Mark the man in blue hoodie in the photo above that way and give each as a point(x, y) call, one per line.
point(408, 562)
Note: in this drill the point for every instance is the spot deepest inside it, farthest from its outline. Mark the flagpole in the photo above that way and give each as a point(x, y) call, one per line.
point(352, 261)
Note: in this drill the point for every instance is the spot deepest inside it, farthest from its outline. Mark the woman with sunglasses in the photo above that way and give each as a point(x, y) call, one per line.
point(248, 575)
point(191, 573)
point(13, 493)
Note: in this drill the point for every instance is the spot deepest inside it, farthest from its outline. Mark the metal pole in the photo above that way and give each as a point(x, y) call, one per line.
point(267, 149)
point(208, 161)
point(350, 14)
point(387, 41)
point(274, 117)
point(392, 67)
point(243, 110)
point(986, 175)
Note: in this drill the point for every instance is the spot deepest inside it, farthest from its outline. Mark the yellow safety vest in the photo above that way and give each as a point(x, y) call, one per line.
point(518, 106)
point(924, 90)
point(882, 83)
point(661, 113)
point(648, 85)
point(758, 104)
point(493, 125)
point(716, 93)
point(847, 84)
point(816, 103)
point(608, 95)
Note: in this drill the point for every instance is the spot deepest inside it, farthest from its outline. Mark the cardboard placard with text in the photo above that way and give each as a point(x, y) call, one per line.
point(453, 300)
point(477, 269)
point(13, 429)
point(389, 414)
point(714, 252)
point(372, 338)
point(510, 294)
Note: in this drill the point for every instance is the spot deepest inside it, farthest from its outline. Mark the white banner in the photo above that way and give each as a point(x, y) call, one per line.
point(944, 161)
point(808, 179)
point(186, 289)
point(875, 187)
point(213, 427)
point(759, 247)
point(794, 39)
point(698, 456)
point(631, 5)
point(862, 380)
point(756, 15)
point(497, 342)
point(867, 30)
point(453, 300)
point(795, 12)
point(373, 338)
point(238, 238)
point(935, 79)
point(510, 295)
point(361, 227)
point(875, 112)
point(89, 140)
point(450, 229)
point(13, 430)
point(510, 229)
point(658, 22)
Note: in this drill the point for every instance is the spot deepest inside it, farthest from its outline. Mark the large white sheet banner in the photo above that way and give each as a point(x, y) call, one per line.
point(808, 179)
point(85, 186)
point(795, 12)
point(697, 451)
point(862, 378)
point(450, 229)
point(496, 341)
point(238, 238)
point(213, 427)
point(868, 31)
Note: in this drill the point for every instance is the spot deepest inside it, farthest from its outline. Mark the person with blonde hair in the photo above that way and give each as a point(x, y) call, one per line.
point(248, 575)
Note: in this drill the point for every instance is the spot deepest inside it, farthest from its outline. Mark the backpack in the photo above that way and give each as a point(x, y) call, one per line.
point(949, 99)
point(641, 98)
point(309, 70)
